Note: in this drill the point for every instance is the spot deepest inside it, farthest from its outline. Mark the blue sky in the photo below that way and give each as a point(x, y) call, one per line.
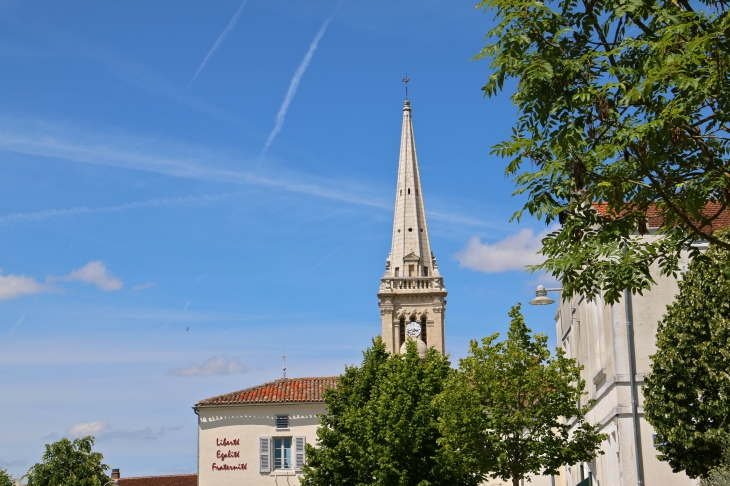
point(189, 189)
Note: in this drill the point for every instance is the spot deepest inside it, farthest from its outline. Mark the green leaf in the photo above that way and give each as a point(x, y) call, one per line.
point(637, 92)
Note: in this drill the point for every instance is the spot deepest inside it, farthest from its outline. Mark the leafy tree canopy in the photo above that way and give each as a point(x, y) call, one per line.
point(686, 396)
point(5, 478)
point(623, 103)
point(67, 463)
point(720, 475)
point(501, 413)
point(380, 427)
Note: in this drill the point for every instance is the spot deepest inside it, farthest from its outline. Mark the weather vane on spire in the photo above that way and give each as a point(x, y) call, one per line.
point(283, 360)
point(405, 80)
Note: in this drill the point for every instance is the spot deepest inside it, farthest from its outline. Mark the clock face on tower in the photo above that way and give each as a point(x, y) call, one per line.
point(413, 329)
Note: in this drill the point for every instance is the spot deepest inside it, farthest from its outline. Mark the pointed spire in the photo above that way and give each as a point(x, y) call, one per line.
point(410, 254)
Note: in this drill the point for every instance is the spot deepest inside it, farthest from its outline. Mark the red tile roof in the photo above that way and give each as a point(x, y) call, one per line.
point(283, 390)
point(655, 217)
point(172, 480)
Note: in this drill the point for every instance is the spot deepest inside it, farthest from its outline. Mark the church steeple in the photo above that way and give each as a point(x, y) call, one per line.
point(411, 289)
point(410, 253)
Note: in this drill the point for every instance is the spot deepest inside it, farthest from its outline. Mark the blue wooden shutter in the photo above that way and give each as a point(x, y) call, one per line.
point(264, 454)
point(299, 442)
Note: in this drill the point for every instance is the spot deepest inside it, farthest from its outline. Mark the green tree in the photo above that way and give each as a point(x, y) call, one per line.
point(5, 478)
point(720, 475)
point(381, 425)
point(623, 103)
point(67, 463)
point(339, 458)
point(501, 413)
point(686, 393)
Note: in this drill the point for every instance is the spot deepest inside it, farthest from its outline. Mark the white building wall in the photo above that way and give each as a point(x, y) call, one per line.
point(530, 480)
point(596, 335)
point(248, 423)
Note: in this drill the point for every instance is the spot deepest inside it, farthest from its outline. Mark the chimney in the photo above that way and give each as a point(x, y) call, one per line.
point(115, 474)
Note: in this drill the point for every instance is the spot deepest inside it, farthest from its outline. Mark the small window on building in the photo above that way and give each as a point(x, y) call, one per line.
point(425, 271)
point(282, 453)
point(282, 421)
point(401, 192)
point(409, 191)
point(424, 329)
point(410, 270)
point(396, 271)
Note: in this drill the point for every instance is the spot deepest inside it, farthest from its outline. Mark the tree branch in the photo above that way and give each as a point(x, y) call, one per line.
point(683, 216)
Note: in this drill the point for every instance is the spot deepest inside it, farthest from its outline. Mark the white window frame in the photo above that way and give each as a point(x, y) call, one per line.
point(291, 454)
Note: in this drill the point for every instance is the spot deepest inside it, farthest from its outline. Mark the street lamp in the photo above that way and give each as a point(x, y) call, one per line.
point(541, 297)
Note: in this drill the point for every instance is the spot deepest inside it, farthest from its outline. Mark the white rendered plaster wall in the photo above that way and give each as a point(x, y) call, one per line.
point(248, 423)
point(530, 480)
point(582, 326)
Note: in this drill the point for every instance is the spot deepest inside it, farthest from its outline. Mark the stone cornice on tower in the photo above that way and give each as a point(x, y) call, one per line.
point(411, 289)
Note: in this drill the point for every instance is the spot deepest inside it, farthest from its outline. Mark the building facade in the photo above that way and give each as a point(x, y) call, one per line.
point(256, 436)
point(412, 296)
point(611, 341)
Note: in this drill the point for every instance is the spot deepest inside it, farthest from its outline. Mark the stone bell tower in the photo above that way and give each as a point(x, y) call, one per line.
point(412, 294)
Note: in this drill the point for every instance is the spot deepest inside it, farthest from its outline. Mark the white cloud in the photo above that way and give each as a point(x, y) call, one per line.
point(455, 218)
point(146, 285)
point(512, 253)
point(92, 273)
point(214, 366)
point(104, 432)
point(88, 428)
point(175, 159)
point(172, 159)
point(13, 286)
point(73, 211)
point(146, 433)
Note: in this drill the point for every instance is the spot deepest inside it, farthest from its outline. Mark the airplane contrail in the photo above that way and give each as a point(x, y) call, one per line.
point(16, 325)
point(218, 41)
point(293, 87)
point(53, 213)
point(169, 322)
